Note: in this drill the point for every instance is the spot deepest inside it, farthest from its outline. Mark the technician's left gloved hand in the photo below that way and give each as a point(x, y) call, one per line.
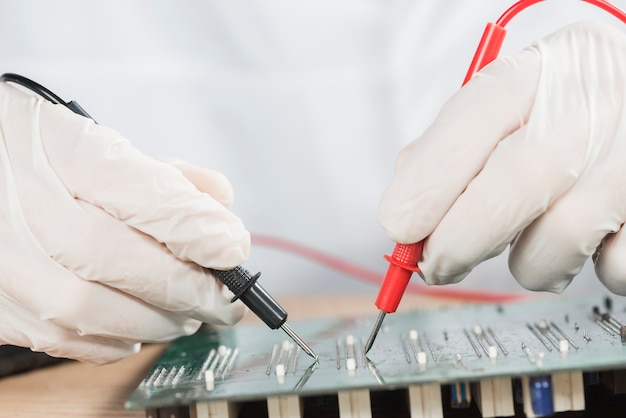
point(531, 152)
point(103, 247)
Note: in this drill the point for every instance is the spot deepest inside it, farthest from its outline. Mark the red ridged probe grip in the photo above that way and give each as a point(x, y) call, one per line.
point(402, 264)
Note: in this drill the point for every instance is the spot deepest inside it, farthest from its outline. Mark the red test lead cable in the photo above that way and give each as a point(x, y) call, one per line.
point(403, 260)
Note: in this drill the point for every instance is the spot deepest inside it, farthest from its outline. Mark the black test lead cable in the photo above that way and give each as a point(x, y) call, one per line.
point(44, 92)
point(238, 280)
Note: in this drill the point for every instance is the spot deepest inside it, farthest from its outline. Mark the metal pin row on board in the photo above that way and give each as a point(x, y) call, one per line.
point(283, 360)
point(415, 343)
point(486, 339)
point(609, 323)
point(217, 366)
point(349, 354)
point(164, 376)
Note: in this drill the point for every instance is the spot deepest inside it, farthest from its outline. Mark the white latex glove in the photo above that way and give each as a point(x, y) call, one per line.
point(103, 247)
point(531, 152)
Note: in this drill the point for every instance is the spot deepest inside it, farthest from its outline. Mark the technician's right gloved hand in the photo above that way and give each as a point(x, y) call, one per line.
point(531, 152)
point(103, 248)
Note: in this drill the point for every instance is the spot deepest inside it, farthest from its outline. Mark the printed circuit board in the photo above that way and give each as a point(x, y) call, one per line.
point(536, 357)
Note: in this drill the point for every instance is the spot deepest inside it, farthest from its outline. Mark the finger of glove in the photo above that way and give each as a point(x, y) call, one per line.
point(550, 252)
point(52, 293)
point(97, 165)
point(434, 170)
point(211, 182)
point(524, 175)
point(135, 263)
point(610, 263)
point(578, 88)
point(130, 261)
point(21, 328)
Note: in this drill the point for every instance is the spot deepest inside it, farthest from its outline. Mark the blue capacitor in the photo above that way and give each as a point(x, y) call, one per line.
point(541, 395)
point(461, 396)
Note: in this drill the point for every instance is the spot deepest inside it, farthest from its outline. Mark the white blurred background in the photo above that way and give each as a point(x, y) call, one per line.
point(302, 104)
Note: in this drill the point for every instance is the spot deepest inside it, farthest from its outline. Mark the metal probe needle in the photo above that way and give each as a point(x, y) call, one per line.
point(304, 346)
point(374, 333)
point(404, 259)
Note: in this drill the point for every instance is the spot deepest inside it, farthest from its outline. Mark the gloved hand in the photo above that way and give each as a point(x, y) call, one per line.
point(103, 247)
point(531, 152)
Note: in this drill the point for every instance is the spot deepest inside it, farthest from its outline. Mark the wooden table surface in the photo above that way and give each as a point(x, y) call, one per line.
point(80, 390)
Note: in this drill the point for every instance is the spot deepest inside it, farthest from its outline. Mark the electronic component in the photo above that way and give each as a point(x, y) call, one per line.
point(540, 390)
point(469, 357)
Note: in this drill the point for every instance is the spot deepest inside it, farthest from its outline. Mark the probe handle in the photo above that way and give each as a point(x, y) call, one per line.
point(402, 264)
point(403, 261)
point(245, 287)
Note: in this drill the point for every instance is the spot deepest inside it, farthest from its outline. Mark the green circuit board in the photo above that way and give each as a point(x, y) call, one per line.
point(456, 344)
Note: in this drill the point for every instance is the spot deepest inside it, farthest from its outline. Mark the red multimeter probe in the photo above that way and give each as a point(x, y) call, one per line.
point(403, 260)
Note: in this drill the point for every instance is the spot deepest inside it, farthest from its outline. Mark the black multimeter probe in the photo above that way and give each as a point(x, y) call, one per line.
point(246, 288)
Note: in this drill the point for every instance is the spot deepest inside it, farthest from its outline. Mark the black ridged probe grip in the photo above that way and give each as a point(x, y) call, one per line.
point(245, 287)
